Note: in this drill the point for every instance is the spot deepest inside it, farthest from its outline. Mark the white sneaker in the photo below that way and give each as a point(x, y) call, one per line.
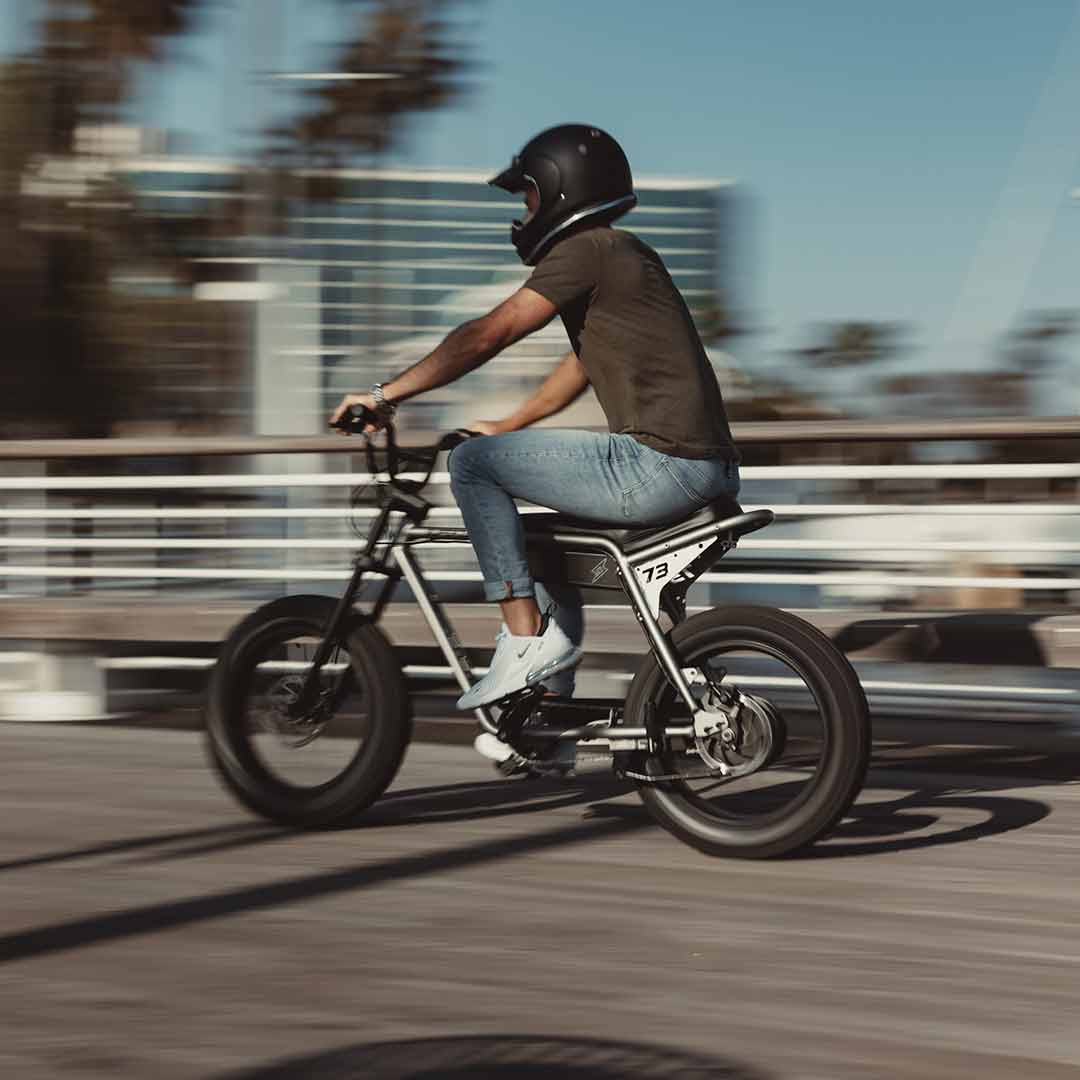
point(493, 748)
point(522, 661)
point(561, 683)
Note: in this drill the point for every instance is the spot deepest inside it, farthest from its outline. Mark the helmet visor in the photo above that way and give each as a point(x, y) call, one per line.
point(511, 179)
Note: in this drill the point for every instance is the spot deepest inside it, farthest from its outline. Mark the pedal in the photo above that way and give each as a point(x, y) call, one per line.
point(558, 766)
point(515, 765)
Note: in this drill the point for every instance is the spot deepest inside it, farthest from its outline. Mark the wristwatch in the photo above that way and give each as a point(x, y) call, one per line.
point(382, 406)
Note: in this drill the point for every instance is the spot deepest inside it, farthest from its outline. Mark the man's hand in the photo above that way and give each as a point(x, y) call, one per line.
point(356, 399)
point(487, 427)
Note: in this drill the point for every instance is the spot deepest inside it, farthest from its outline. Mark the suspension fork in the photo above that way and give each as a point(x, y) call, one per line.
point(364, 562)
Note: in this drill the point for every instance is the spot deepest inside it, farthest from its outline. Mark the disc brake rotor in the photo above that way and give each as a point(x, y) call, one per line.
point(752, 742)
point(294, 732)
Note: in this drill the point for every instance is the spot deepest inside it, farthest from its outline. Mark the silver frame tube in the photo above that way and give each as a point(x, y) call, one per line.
point(626, 564)
point(441, 629)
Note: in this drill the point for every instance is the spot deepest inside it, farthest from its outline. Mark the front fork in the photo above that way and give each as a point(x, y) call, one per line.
point(406, 568)
point(308, 698)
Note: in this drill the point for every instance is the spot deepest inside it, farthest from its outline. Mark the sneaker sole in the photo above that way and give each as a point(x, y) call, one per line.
point(553, 668)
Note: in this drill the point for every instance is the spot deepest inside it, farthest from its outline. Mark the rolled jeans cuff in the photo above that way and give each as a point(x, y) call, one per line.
point(509, 589)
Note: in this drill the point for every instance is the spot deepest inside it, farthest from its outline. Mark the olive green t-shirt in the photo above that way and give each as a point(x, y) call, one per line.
point(636, 340)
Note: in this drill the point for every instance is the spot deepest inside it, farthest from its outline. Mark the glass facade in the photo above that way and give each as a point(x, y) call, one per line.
point(378, 265)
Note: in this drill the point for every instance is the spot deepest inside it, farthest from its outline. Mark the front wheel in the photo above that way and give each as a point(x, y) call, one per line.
point(324, 767)
point(798, 749)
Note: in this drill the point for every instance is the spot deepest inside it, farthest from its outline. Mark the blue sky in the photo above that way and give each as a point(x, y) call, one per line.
point(903, 162)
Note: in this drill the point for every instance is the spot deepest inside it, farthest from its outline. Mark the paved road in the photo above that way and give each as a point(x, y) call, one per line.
point(149, 928)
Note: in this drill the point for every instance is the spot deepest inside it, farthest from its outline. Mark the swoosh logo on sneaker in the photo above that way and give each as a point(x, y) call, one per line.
point(521, 655)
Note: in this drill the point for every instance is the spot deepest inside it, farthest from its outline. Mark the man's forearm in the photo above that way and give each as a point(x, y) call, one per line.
point(564, 385)
point(539, 407)
point(461, 351)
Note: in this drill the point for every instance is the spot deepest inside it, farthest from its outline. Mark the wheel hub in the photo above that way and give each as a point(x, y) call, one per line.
point(734, 744)
point(278, 719)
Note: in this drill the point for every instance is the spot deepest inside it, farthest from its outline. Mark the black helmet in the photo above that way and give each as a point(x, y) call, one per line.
point(579, 172)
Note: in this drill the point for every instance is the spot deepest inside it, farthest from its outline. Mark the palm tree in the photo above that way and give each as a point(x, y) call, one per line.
point(63, 227)
point(64, 231)
point(404, 52)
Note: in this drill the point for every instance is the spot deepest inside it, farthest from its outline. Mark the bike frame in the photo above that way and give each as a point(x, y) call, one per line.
point(649, 577)
point(654, 577)
point(631, 570)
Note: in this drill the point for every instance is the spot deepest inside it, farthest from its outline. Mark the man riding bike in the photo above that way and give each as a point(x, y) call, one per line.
point(668, 450)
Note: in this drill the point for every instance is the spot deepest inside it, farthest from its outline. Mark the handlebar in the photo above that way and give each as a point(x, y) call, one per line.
point(357, 418)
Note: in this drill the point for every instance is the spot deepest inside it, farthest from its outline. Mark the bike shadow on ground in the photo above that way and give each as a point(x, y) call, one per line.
point(445, 803)
point(934, 786)
point(503, 1057)
point(438, 804)
point(921, 813)
point(923, 819)
point(495, 797)
point(150, 918)
point(915, 818)
point(874, 826)
point(173, 844)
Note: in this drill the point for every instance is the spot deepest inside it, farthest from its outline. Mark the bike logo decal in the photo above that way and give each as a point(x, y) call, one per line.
point(660, 570)
point(599, 570)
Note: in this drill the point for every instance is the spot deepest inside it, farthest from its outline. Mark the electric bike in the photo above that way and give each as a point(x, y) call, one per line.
point(744, 728)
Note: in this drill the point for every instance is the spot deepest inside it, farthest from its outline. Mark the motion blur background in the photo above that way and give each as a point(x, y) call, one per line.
point(216, 216)
point(870, 211)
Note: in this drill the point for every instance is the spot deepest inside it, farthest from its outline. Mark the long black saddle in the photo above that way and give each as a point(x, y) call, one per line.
point(636, 537)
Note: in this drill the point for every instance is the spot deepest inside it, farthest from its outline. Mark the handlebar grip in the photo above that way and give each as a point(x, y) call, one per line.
point(355, 418)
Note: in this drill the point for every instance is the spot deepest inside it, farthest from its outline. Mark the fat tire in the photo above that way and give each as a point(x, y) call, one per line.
point(367, 776)
point(845, 713)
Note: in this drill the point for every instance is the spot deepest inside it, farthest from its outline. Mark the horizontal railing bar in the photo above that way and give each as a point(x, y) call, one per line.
point(52, 543)
point(195, 483)
point(1048, 470)
point(473, 226)
point(55, 543)
point(992, 691)
point(793, 511)
point(448, 243)
point(928, 581)
point(1003, 544)
point(1042, 693)
point(771, 432)
point(944, 430)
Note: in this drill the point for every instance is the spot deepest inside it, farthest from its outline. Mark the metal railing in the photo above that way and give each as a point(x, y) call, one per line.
point(87, 503)
point(842, 531)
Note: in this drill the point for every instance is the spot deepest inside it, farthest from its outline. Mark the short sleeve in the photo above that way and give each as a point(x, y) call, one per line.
point(567, 272)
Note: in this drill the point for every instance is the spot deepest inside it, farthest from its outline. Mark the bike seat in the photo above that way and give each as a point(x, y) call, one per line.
point(633, 538)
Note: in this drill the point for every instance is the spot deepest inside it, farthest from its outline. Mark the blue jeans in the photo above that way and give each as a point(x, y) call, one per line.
point(610, 479)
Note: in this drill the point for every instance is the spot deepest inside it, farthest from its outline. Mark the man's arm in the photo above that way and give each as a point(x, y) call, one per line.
point(473, 343)
point(464, 349)
point(565, 384)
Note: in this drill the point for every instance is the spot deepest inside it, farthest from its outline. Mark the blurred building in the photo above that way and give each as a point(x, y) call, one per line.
point(368, 269)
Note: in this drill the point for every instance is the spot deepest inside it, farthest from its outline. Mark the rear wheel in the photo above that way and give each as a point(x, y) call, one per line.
point(800, 739)
point(323, 767)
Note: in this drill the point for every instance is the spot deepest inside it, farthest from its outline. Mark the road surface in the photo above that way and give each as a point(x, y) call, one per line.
point(483, 927)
